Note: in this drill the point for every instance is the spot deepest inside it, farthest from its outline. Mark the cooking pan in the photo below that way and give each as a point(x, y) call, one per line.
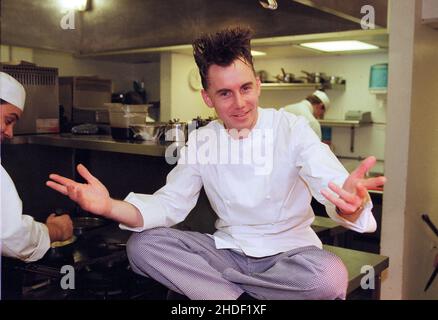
point(315, 77)
point(84, 224)
point(61, 251)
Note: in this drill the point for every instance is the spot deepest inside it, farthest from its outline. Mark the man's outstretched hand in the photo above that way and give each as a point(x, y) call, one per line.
point(91, 196)
point(353, 195)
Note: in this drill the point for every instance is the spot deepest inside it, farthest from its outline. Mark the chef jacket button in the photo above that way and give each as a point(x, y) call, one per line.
point(227, 201)
point(268, 197)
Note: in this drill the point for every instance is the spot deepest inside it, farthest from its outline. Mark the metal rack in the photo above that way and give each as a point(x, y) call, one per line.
point(352, 124)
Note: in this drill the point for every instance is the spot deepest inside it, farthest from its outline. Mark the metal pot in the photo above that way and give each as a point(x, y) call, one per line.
point(315, 77)
point(176, 131)
point(150, 131)
point(335, 80)
point(263, 75)
point(285, 77)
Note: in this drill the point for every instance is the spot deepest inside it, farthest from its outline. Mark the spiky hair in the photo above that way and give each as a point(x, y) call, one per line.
point(222, 48)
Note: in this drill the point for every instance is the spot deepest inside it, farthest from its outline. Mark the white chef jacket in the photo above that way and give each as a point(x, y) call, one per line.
point(21, 236)
point(259, 214)
point(304, 108)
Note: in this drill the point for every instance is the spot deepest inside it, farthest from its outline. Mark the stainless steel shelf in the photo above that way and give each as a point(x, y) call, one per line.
point(343, 123)
point(352, 124)
point(300, 86)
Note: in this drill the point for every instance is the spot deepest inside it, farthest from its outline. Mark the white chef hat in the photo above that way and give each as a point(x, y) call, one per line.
point(12, 91)
point(321, 95)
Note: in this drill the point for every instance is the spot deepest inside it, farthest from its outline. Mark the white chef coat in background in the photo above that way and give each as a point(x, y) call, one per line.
point(261, 215)
point(21, 236)
point(304, 108)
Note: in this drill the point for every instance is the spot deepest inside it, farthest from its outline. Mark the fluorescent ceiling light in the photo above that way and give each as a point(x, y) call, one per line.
point(80, 5)
point(335, 46)
point(258, 53)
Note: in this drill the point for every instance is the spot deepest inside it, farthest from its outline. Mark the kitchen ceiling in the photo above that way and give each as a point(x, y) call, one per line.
point(288, 46)
point(275, 47)
point(137, 31)
point(114, 25)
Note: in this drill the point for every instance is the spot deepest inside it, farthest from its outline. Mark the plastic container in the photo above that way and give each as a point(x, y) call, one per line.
point(123, 117)
point(379, 78)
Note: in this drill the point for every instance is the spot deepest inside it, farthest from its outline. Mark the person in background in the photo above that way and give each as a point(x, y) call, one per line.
point(264, 246)
point(21, 236)
point(312, 108)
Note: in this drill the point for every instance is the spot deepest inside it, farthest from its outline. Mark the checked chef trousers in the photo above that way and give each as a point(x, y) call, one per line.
point(189, 263)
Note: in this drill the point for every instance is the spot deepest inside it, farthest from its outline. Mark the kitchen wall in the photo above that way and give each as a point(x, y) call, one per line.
point(122, 74)
point(178, 98)
point(411, 154)
point(369, 140)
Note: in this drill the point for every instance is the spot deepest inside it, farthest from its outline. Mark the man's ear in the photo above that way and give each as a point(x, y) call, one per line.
point(258, 85)
point(206, 98)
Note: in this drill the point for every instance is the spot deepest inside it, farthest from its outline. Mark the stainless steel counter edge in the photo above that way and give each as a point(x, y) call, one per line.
point(102, 143)
point(96, 142)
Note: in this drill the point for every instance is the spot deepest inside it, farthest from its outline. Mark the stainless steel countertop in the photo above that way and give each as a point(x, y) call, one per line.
point(96, 142)
point(102, 143)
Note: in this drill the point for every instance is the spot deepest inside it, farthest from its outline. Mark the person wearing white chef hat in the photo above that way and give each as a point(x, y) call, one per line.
point(21, 236)
point(312, 108)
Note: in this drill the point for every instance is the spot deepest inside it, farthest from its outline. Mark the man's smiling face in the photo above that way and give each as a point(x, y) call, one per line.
point(234, 92)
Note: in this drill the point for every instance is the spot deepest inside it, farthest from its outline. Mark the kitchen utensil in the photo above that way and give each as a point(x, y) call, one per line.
point(61, 244)
point(315, 77)
point(199, 122)
point(301, 80)
point(85, 129)
point(358, 115)
point(335, 80)
point(124, 116)
point(83, 224)
point(61, 252)
point(310, 77)
point(139, 88)
point(151, 131)
point(263, 76)
point(176, 131)
point(286, 77)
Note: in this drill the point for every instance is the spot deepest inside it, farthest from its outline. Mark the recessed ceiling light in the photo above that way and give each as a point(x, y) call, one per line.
point(80, 5)
point(335, 46)
point(257, 53)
